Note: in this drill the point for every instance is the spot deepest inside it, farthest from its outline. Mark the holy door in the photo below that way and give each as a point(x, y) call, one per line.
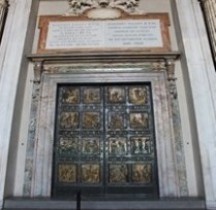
point(104, 140)
point(104, 117)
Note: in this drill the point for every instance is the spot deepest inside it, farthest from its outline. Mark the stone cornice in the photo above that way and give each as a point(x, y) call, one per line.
point(92, 57)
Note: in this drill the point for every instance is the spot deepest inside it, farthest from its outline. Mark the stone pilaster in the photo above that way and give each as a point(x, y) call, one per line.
point(11, 57)
point(176, 120)
point(38, 67)
point(201, 73)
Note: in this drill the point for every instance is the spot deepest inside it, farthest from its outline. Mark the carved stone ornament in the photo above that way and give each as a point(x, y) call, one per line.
point(102, 9)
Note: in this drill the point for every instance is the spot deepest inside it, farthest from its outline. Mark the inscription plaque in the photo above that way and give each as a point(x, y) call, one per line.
point(139, 32)
point(104, 34)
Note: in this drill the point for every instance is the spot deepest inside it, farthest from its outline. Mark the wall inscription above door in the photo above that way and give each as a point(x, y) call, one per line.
point(148, 32)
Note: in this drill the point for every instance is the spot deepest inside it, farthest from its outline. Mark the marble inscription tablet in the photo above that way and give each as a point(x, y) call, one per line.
point(104, 34)
point(63, 34)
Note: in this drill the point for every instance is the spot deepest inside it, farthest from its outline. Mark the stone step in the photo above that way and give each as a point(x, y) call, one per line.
point(29, 204)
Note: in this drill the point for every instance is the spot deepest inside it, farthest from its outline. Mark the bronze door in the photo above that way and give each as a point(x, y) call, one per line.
point(104, 141)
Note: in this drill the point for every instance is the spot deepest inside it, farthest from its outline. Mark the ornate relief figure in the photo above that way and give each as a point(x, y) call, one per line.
point(69, 120)
point(90, 146)
point(142, 173)
point(67, 173)
point(118, 174)
point(91, 120)
point(139, 120)
point(67, 144)
point(140, 145)
point(117, 146)
point(90, 173)
point(116, 121)
point(92, 95)
point(138, 95)
point(78, 7)
point(116, 95)
point(71, 96)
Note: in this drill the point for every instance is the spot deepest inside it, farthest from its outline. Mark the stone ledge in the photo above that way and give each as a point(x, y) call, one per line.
point(13, 204)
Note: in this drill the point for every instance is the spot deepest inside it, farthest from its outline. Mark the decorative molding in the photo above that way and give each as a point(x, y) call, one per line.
point(170, 69)
point(104, 57)
point(32, 139)
point(76, 68)
point(158, 66)
point(32, 130)
point(79, 7)
point(38, 68)
point(179, 158)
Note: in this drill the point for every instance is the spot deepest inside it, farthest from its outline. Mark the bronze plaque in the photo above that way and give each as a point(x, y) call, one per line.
point(140, 145)
point(71, 96)
point(67, 173)
point(92, 95)
point(91, 173)
point(91, 120)
point(142, 173)
point(118, 174)
point(116, 95)
point(116, 121)
point(69, 120)
point(90, 146)
point(68, 144)
point(139, 120)
point(138, 95)
point(117, 146)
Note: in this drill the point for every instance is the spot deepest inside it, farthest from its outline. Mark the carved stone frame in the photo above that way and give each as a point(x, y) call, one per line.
point(170, 155)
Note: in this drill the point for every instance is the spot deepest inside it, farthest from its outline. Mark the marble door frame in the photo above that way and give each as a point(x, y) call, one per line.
point(170, 154)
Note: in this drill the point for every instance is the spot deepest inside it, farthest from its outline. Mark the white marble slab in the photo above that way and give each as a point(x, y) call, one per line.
point(104, 34)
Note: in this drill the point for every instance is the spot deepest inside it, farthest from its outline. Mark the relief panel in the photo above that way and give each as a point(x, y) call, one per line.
point(67, 173)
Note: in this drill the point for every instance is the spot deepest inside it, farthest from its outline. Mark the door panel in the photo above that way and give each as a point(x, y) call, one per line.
point(104, 140)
